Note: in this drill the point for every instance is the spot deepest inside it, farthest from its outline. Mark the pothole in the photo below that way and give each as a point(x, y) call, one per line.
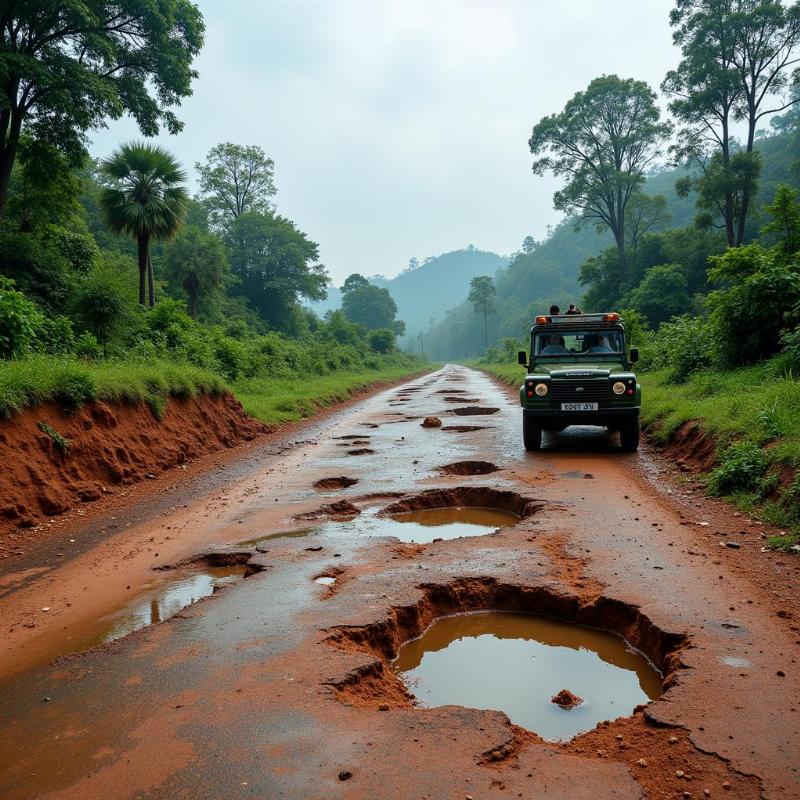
point(361, 451)
point(337, 482)
point(325, 580)
point(463, 428)
point(520, 663)
point(474, 411)
point(460, 399)
point(480, 643)
point(430, 516)
point(469, 468)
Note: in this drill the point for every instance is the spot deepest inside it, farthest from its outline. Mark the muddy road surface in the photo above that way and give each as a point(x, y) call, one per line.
point(569, 624)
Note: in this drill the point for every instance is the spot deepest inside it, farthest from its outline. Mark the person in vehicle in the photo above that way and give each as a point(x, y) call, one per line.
point(573, 310)
point(600, 344)
point(554, 345)
point(554, 310)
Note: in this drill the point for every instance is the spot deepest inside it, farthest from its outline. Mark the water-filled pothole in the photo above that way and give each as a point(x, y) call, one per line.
point(419, 527)
point(474, 411)
point(469, 468)
point(163, 599)
point(325, 580)
point(517, 663)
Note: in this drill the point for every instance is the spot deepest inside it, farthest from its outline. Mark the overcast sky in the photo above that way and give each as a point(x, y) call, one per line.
point(399, 128)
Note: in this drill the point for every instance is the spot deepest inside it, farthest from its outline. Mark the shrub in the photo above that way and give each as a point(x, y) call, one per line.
point(742, 465)
point(381, 340)
point(87, 346)
point(54, 336)
point(684, 345)
point(19, 320)
point(102, 304)
point(760, 292)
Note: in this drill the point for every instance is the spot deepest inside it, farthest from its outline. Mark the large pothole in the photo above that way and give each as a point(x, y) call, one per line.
point(607, 652)
point(474, 411)
point(469, 468)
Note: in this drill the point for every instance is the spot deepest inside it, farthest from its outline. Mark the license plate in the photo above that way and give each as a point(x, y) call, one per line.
point(579, 406)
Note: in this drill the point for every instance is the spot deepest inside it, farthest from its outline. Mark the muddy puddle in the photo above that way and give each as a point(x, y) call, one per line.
point(161, 600)
point(516, 663)
point(154, 602)
point(419, 527)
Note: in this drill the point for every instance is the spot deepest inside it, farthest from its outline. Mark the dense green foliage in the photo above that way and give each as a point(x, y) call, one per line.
point(66, 65)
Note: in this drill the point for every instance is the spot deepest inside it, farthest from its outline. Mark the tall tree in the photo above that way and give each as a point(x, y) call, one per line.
point(369, 305)
point(236, 180)
point(276, 265)
point(735, 61)
point(145, 199)
point(481, 294)
point(65, 65)
point(197, 262)
point(785, 223)
point(602, 142)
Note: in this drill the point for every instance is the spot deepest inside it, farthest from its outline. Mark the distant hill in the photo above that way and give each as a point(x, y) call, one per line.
point(425, 292)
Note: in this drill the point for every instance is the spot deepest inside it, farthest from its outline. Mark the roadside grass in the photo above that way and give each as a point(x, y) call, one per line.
point(70, 382)
point(753, 413)
point(275, 400)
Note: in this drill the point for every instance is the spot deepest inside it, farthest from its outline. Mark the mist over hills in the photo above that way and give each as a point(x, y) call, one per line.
point(423, 293)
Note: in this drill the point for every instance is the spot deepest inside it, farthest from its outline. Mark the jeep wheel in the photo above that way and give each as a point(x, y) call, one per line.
point(629, 435)
point(531, 434)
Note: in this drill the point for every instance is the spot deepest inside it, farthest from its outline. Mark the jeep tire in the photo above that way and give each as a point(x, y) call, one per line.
point(629, 435)
point(531, 434)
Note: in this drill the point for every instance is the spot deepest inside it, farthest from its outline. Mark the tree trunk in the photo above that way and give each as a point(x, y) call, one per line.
point(151, 294)
point(142, 257)
point(192, 289)
point(619, 238)
point(9, 140)
point(744, 210)
point(728, 212)
point(485, 332)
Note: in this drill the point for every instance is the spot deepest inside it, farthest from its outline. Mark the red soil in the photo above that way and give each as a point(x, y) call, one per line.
point(108, 445)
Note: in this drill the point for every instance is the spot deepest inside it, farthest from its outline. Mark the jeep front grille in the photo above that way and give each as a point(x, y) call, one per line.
point(592, 390)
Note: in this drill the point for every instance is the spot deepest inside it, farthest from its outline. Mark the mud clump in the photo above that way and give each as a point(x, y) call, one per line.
point(431, 422)
point(566, 699)
point(469, 468)
point(360, 451)
point(475, 411)
point(338, 482)
point(340, 510)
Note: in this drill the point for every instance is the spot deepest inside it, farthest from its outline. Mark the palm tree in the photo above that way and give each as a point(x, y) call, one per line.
point(145, 199)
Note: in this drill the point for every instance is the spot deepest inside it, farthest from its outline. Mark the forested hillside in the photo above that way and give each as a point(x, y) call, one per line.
point(426, 289)
point(568, 266)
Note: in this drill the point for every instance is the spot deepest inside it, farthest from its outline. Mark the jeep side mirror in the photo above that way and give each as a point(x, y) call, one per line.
point(634, 355)
point(522, 358)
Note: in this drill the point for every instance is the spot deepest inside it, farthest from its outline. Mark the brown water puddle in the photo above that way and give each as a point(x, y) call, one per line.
point(155, 601)
point(517, 663)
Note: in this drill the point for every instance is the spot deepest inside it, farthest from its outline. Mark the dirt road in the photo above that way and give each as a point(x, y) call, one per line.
point(282, 683)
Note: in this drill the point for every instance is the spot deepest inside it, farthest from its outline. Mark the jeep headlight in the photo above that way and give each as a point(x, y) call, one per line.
point(618, 388)
point(541, 389)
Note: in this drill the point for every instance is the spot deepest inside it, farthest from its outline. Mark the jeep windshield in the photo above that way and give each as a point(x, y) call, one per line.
point(555, 343)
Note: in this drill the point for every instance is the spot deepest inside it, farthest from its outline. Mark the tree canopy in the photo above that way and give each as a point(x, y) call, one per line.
point(368, 305)
point(602, 143)
point(235, 180)
point(276, 265)
point(65, 65)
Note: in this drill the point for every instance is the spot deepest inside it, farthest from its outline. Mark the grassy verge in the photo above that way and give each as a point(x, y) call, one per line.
point(511, 374)
point(281, 400)
point(70, 382)
point(754, 415)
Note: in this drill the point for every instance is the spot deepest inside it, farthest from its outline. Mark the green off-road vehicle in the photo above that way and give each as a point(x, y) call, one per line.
point(579, 374)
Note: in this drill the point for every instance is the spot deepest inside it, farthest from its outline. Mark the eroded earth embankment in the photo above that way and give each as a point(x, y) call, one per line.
point(54, 459)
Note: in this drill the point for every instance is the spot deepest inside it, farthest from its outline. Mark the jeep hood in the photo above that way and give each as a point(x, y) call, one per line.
point(580, 370)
